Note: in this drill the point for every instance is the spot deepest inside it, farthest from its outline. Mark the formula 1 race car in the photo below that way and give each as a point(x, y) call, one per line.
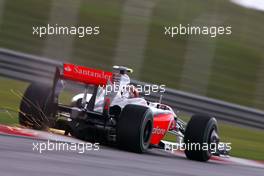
point(111, 111)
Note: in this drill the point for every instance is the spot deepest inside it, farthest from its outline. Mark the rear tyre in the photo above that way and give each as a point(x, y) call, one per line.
point(134, 128)
point(37, 108)
point(201, 130)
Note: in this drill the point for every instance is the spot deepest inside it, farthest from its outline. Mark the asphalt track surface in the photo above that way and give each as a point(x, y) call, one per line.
point(18, 158)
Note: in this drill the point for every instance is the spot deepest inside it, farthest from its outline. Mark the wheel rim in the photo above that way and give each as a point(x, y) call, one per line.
point(213, 138)
point(147, 132)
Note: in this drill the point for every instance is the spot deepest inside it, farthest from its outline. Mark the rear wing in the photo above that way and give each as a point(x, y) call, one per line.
point(86, 75)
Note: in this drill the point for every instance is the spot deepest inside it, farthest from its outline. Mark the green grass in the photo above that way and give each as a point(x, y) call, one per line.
point(246, 143)
point(9, 101)
point(16, 26)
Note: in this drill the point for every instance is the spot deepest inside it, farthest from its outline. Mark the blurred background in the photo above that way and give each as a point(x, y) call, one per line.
point(228, 67)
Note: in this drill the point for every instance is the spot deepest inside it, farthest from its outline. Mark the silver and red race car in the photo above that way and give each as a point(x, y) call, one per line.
point(111, 111)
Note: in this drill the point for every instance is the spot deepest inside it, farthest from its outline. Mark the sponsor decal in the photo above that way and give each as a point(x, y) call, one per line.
point(91, 73)
point(68, 69)
point(159, 131)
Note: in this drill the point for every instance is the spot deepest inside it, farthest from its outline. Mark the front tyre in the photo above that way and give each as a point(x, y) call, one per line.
point(201, 130)
point(134, 128)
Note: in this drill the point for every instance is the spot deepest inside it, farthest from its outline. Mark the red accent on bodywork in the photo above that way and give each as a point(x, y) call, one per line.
point(161, 123)
point(107, 104)
point(86, 75)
